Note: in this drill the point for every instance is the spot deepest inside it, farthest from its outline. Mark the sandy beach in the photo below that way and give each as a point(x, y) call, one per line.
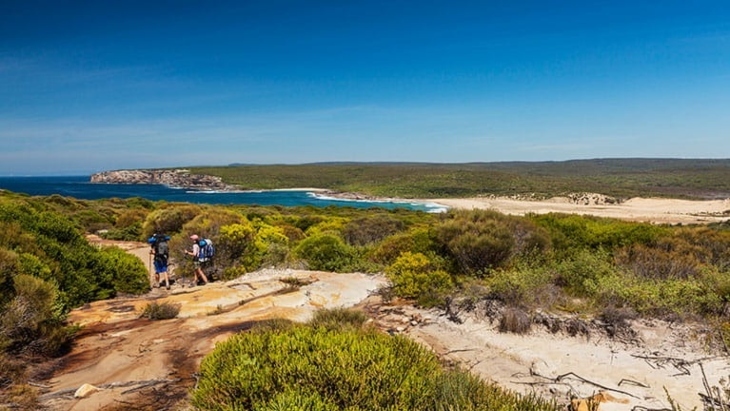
point(651, 210)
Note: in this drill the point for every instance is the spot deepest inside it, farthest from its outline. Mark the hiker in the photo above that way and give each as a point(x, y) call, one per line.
point(198, 259)
point(161, 251)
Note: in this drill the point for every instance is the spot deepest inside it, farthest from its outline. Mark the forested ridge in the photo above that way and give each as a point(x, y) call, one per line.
point(619, 178)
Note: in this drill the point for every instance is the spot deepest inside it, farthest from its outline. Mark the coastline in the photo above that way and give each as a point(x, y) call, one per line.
point(650, 210)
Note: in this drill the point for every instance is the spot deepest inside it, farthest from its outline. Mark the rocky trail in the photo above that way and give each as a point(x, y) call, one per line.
point(123, 362)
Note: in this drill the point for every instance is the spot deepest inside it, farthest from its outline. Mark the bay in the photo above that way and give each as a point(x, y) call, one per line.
point(81, 188)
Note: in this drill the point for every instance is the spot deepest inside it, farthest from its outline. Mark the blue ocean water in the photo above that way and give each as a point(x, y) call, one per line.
point(80, 187)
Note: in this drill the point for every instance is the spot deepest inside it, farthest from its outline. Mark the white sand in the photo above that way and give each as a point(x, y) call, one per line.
point(653, 210)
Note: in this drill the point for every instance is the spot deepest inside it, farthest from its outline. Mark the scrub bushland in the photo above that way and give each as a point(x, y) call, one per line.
point(326, 366)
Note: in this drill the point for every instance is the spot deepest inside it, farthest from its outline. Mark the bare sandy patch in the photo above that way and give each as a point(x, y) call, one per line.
point(651, 210)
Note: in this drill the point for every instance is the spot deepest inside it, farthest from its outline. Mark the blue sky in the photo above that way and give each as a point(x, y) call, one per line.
point(87, 86)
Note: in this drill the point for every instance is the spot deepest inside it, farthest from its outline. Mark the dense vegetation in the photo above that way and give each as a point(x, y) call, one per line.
point(558, 263)
point(47, 268)
point(334, 363)
point(619, 178)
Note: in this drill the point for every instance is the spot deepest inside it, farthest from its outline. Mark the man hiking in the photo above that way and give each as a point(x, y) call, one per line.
point(161, 251)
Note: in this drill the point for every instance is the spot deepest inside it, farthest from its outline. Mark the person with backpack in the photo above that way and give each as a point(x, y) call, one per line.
point(202, 254)
point(161, 251)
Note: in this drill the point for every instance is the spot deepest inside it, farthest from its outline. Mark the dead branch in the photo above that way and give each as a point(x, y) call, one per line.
point(560, 377)
point(633, 382)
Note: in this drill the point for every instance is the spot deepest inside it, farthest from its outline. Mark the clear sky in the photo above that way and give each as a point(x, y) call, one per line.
point(96, 85)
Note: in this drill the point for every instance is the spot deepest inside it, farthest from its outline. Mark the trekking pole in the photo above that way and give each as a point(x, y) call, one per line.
point(149, 270)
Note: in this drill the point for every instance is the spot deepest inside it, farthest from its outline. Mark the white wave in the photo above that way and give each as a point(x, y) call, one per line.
point(430, 207)
point(224, 191)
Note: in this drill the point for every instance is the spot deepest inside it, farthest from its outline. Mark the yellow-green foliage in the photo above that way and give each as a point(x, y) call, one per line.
point(318, 368)
point(581, 273)
point(169, 220)
point(572, 233)
point(414, 275)
point(248, 245)
point(370, 229)
point(325, 252)
point(126, 272)
point(658, 297)
point(417, 240)
point(338, 319)
point(331, 225)
point(32, 320)
point(208, 223)
point(529, 285)
point(235, 242)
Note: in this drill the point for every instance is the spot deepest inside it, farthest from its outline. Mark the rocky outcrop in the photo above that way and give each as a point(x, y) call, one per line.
point(178, 178)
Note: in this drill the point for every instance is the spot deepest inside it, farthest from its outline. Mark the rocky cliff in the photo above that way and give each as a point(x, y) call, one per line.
point(179, 178)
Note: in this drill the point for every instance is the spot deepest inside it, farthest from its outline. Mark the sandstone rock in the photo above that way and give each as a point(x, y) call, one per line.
point(178, 178)
point(85, 390)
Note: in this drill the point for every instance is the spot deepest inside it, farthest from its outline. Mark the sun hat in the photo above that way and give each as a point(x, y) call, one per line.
point(194, 237)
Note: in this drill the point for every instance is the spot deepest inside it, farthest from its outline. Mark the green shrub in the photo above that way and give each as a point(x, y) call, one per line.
point(370, 229)
point(297, 400)
point(325, 252)
point(658, 297)
point(572, 233)
point(477, 240)
point(417, 240)
point(9, 267)
point(363, 369)
point(160, 311)
point(316, 368)
point(673, 260)
point(415, 276)
point(581, 273)
point(331, 225)
point(338, 319)
point(169, 220)
point(33, 320)
point(527, 285)
point(236, 245)
point(125, 272)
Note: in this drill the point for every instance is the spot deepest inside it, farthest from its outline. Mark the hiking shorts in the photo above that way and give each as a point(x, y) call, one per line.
point(160, 265)
point(202, 263)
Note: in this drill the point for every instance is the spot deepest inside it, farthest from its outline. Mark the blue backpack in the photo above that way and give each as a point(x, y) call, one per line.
point(207, 251)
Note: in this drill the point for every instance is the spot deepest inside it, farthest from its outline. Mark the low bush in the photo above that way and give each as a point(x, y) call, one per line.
point(338, 319)
point(476, 240)
point(515, 320)
point(415, 276)
point(370, 229)
point(325, 252)
point(160, 311)
point(580, 274)
point(316, 368)
point(525, 284)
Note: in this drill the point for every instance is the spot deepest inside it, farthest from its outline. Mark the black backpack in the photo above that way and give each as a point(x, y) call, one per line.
point(160, 245)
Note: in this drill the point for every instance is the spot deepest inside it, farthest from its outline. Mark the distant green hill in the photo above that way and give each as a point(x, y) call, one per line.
point(622, 178)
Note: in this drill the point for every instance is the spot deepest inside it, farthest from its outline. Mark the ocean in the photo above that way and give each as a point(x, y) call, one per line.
point(80, 187)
